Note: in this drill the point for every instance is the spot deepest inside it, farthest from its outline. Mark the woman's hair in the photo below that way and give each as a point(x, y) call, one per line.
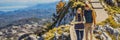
point(80, 10)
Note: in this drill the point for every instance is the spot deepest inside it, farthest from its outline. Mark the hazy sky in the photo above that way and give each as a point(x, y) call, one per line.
point(6, 5)
point(27, 1)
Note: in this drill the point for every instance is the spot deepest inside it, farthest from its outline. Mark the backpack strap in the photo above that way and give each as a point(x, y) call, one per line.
point(94, 16)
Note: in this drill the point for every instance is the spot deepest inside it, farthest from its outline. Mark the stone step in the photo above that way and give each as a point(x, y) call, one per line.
point(97, 5)
point(101, 15)
point(98, 8)
point(94, 1)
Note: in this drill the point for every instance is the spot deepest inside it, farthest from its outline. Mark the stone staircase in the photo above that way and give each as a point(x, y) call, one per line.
point(99, 9)
point(101, 16)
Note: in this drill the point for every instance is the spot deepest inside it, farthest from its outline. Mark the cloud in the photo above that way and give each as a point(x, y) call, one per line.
point(17, 4)
point(11, 8)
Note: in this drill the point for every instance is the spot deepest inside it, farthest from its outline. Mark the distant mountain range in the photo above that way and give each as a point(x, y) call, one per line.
point(36, 11)
point(1, 12)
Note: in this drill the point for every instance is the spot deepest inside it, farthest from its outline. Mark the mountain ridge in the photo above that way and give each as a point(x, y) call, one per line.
point(35, 11)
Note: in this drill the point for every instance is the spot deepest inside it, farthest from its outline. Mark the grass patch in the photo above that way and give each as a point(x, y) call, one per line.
point(112, 36)
point(110, 20)
point(50, 34)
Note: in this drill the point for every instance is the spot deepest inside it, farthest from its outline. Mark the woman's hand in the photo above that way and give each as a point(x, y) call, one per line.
point(81, 22)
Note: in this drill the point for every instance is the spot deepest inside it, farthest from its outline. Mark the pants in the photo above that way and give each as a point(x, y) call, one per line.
point(88, 28)
point(79, 34)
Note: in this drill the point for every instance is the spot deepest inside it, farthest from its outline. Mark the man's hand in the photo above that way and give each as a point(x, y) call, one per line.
point(94, 26)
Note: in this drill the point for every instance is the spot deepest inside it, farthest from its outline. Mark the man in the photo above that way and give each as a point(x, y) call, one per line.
point(89, 21)
point(118, 3)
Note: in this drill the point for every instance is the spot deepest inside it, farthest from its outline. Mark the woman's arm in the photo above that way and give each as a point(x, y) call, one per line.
point(83, 18)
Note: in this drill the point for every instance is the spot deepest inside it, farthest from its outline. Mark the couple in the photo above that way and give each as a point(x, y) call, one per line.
point(88, 17)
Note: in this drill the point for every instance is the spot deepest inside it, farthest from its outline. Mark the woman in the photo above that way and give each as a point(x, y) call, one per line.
point(79, 26)
point(79, 15)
